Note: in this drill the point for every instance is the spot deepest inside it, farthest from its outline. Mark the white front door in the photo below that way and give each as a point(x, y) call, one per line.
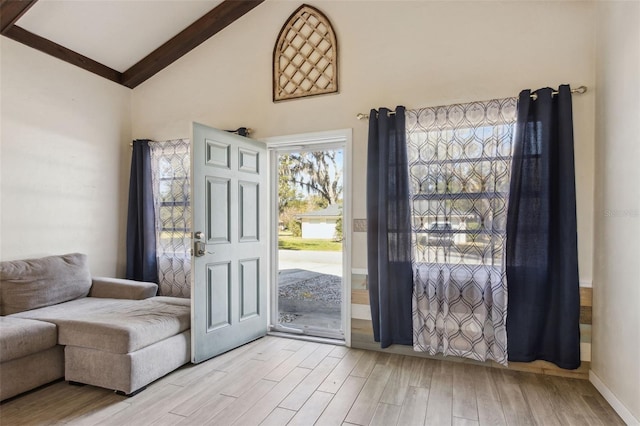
point(229, 269)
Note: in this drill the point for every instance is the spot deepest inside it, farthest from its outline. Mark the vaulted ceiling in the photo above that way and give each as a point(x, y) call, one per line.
point(124, 41)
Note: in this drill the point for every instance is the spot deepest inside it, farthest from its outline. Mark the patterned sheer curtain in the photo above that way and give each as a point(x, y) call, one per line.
point(459, 171)
point(170, 167)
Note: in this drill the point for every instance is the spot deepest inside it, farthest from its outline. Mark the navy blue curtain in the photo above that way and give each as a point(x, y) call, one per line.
point(543, 311)
point(142, 263)
point(389, 229)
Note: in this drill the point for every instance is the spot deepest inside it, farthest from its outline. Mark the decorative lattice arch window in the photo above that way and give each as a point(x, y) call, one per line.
point(305, 57)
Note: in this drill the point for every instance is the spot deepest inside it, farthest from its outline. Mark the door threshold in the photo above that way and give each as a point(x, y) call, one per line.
point(307, 338)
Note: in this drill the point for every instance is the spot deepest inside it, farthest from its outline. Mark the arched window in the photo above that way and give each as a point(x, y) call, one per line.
point(305, 57)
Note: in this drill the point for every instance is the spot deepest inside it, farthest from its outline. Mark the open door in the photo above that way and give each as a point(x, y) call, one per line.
point(229, 198)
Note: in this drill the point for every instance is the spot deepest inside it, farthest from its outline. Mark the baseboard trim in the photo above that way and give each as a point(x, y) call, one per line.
point(586, 283)
point(585, 351)
point(615, 403)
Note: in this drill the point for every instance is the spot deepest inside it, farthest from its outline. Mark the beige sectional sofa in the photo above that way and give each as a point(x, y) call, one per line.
point(57, 321)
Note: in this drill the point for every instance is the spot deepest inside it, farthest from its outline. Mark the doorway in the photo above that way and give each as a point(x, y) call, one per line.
point(310, 279)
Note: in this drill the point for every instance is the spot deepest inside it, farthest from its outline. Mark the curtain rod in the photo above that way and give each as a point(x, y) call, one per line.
point(239, 130)
point(579, 90)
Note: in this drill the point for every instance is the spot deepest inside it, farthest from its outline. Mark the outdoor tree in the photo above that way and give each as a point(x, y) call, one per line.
point(316, 173)
point(307, 181)
point(339, 232)
point(287, 193)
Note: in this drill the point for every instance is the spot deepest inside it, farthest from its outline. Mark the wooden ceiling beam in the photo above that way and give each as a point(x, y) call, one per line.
point(23, 36)
point(11, 11)
point(210, 24)
point(213, 22)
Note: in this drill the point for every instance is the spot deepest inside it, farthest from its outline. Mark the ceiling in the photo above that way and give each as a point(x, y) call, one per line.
point(125, 32)
point(126, 41)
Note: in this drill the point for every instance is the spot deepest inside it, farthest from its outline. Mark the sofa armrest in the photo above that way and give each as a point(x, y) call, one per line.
point(117, 288)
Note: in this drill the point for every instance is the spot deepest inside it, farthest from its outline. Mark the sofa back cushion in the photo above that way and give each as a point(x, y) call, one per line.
point(34, 283)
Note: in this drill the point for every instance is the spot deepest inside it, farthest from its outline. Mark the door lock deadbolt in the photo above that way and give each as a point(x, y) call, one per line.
point(200, 249)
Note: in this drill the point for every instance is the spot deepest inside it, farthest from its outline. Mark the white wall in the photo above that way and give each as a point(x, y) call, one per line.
point(616, 298)
point(415, 53)
point(64, 156)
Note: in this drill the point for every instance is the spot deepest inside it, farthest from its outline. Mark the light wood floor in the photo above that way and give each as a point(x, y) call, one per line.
point(277, 381)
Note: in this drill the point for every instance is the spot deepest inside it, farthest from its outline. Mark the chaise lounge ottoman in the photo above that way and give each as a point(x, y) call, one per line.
point(120, 344)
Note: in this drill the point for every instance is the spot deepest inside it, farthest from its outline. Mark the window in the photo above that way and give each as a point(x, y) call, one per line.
point(459, 162)
point(459, 169)
point(170, 167)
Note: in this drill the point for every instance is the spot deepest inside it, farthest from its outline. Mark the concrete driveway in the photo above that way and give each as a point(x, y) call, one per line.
point(310, 288)
point(323, 262)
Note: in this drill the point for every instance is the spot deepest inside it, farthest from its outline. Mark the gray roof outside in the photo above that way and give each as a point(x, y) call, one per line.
point(332, 210)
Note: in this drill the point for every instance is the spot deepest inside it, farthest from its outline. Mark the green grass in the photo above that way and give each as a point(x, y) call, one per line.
point(297, 243)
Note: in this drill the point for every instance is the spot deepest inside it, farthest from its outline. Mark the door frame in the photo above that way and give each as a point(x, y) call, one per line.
point(341, 138)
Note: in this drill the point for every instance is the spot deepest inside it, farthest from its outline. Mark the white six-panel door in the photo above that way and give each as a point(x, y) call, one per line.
point(229, 203)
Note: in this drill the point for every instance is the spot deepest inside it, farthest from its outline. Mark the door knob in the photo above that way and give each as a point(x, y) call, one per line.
point(199, 235)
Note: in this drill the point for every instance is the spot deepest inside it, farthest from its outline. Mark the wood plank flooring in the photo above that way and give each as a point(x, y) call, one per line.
point(278, 381)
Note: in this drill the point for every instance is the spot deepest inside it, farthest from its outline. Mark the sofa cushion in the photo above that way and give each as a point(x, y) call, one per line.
point(21, 337)
point(128, 326)
point(34, 283)
point(118, 288)
point(69, 309)
point(116, 325)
